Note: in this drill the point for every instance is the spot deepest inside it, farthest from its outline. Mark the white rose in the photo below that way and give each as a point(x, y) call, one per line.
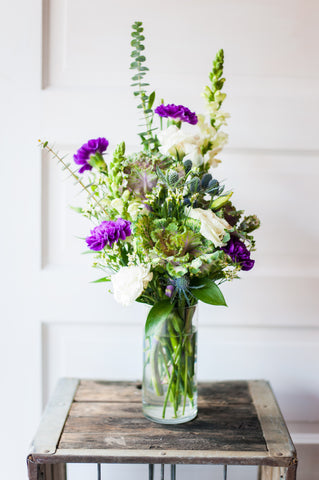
point(212, 227)
point(129, 282)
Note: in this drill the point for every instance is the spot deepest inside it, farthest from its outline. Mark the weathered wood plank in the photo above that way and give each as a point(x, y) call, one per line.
point(273, 473)
point(235, 392)
point(54, 416)
point(274, 429)
point(102, 391)
point(195, 457)
point(134, 411)
point(46, 471)
point(105, 425)
point(227, 420)
point(123, 440)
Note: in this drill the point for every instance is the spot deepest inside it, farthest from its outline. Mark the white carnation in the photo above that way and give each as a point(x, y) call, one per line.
point(212, 227)
point(130, 282)
point(172, 139)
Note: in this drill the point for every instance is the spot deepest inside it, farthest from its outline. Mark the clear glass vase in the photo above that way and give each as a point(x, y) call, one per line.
point(170, 377)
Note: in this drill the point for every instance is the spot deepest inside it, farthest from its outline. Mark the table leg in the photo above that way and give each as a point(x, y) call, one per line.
point(173, 472)
point(277, 473)
point(150, 471)
point(55, 471)
point(47, 471)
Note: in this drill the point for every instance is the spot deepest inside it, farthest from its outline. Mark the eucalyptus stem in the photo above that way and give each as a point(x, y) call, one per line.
point(66, 166)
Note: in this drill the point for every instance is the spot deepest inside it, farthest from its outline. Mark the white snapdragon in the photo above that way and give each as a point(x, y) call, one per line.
point(207, 131)
point(210, 158)
point(135, 208)
point(130, 282)
point(118, 205)
point(212, 227)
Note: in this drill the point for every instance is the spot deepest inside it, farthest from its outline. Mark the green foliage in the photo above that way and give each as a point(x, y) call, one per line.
point(89, 189)
point(101, 280)
point(207, 291)
point(146, 101)
point(157, 316)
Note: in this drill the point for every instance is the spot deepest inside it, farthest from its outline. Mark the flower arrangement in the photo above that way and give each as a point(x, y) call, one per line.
point(166, 232)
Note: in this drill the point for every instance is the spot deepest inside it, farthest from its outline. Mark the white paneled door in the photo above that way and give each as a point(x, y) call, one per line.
point(65, 78)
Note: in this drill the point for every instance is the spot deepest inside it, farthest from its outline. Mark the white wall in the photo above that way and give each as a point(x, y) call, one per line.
point(69, 82)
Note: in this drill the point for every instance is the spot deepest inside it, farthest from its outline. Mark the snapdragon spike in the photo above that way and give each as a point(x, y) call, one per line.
point(239, 253)
point(178, 112)
point(93, 146)
point(108, 233)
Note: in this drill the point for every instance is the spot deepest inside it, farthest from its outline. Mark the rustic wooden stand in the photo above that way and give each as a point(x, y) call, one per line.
point(86, 421)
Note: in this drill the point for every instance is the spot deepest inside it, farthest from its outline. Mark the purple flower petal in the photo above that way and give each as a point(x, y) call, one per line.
point(108, 233)
point(177, 111)
point(239, 253)
point(83, 154)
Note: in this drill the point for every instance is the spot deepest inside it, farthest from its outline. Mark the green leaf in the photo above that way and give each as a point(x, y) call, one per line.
point(76, 209)
point(151, 100)
point(101, 280)
point(138, 76)
point(157, 316)
point(207, 291)
point(220, 201)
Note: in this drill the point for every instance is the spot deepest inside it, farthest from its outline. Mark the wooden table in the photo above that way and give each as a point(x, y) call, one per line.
point(86, 421)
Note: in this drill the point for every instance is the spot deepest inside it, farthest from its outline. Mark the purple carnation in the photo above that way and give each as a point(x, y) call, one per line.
point(98, 145)
point(239, 253)
point(178, 112)
point(108, 232)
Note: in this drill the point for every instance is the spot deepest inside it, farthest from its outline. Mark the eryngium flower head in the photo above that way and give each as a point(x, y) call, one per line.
point(93, 146)
point(107, 233)
point(239, 253)
point(178, 112)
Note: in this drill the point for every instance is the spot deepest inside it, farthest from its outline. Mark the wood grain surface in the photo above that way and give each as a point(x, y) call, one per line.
point(108, 415)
